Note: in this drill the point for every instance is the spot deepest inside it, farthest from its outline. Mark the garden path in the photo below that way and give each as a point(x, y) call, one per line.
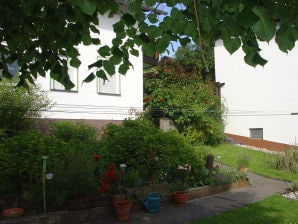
point(260, 188)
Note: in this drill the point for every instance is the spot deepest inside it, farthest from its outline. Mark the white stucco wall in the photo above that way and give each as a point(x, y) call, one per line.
point(87, 103)
point(261, 97)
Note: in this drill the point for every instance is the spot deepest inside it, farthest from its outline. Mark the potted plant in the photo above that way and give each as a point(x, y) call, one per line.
point(180, 195)
point(122, 204)
point(243, 163)
point(111, 182)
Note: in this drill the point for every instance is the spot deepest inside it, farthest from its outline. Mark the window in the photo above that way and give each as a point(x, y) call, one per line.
point(256, 133)
point(110, 86)
point(73, 75)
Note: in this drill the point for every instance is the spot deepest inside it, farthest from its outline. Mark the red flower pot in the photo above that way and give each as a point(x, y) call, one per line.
point(13, 212)
point(122, 208)
point(180, 198)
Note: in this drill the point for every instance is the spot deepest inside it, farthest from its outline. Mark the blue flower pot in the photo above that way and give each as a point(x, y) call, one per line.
point(152, 202)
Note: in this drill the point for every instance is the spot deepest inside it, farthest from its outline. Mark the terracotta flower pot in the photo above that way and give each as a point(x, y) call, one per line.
point(12, 212)
point(122, 208)
point(243, 169)
point(180, 198)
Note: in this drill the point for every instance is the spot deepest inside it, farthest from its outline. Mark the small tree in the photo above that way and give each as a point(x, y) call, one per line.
point(180, 94)
point(19, 106)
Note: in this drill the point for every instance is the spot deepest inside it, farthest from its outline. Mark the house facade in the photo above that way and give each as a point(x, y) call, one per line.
point(98, 102)
point(261, 102)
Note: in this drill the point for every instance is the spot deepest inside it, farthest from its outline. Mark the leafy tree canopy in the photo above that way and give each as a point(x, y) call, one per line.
point(191, 57)
point(174, 91)
point(42, 35)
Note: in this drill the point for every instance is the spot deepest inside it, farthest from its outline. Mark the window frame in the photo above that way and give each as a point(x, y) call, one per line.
point(118, 85)
point(74, 77)
point(259, 136)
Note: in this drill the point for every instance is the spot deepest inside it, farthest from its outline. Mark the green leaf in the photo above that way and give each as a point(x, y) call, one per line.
point(115, 60)
point(97, 64)
point(95, 41)
point(89, 78)
point(86, 39)
point(184, 41)
point(246, 18)
point(232, 44)
point(129, 19)
point(285, 39)
point(162, 44)
point(88, 7)
point(144, 38)
point(116, 41)
point(123, 68)
point(134, 52)
point(150, 2)
point(253, 58)
point(152, 18)
point(109, 67)
point(94, 29)
point(101, 74)
point(265, 26)
point(117, 52)
point(74, 62)
point(104, 51)
point(119, 27)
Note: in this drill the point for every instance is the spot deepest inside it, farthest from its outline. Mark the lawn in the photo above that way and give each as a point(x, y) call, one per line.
point(276, 209)
point(258, 161)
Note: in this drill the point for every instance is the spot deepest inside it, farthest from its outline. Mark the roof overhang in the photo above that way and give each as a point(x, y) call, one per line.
point(149, 61)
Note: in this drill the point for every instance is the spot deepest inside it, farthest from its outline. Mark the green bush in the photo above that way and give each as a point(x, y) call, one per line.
point(175, 92)
point(74, 131)
point(19, 106)
point(141, 146)
point(74, 165)
point(227, 176)
point(78, 174)
point(21, 163)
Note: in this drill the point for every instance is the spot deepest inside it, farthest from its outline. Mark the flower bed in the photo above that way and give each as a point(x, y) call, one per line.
point(105, 211)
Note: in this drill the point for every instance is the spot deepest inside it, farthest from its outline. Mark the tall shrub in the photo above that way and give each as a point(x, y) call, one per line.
point(19, 106)
point(21, 163)
point(143, 147)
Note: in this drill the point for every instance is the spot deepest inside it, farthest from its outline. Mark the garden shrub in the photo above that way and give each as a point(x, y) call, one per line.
point(156, 154)
point(77, 176)
point(74, 131)
point(20, 106)
point(21, 163)
point(227, 176)
point(182, 95)
point(75, 164)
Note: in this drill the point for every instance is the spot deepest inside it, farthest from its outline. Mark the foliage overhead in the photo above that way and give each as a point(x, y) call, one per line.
point(46, 36)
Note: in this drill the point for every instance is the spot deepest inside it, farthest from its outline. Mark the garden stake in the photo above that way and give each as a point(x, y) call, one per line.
point(44, 168)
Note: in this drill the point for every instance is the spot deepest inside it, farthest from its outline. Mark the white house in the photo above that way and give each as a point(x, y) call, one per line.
point(98, 102)
point(261, 102)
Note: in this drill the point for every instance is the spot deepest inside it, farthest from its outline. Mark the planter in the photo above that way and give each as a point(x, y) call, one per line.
point(122, 209)
point(180, 197)
point(12, 212)
point(152, 202)
point(90, 202)
point(243, 169)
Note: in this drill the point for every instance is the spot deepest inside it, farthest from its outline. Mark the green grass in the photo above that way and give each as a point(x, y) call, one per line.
point(276, 209)
point(258, 161)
